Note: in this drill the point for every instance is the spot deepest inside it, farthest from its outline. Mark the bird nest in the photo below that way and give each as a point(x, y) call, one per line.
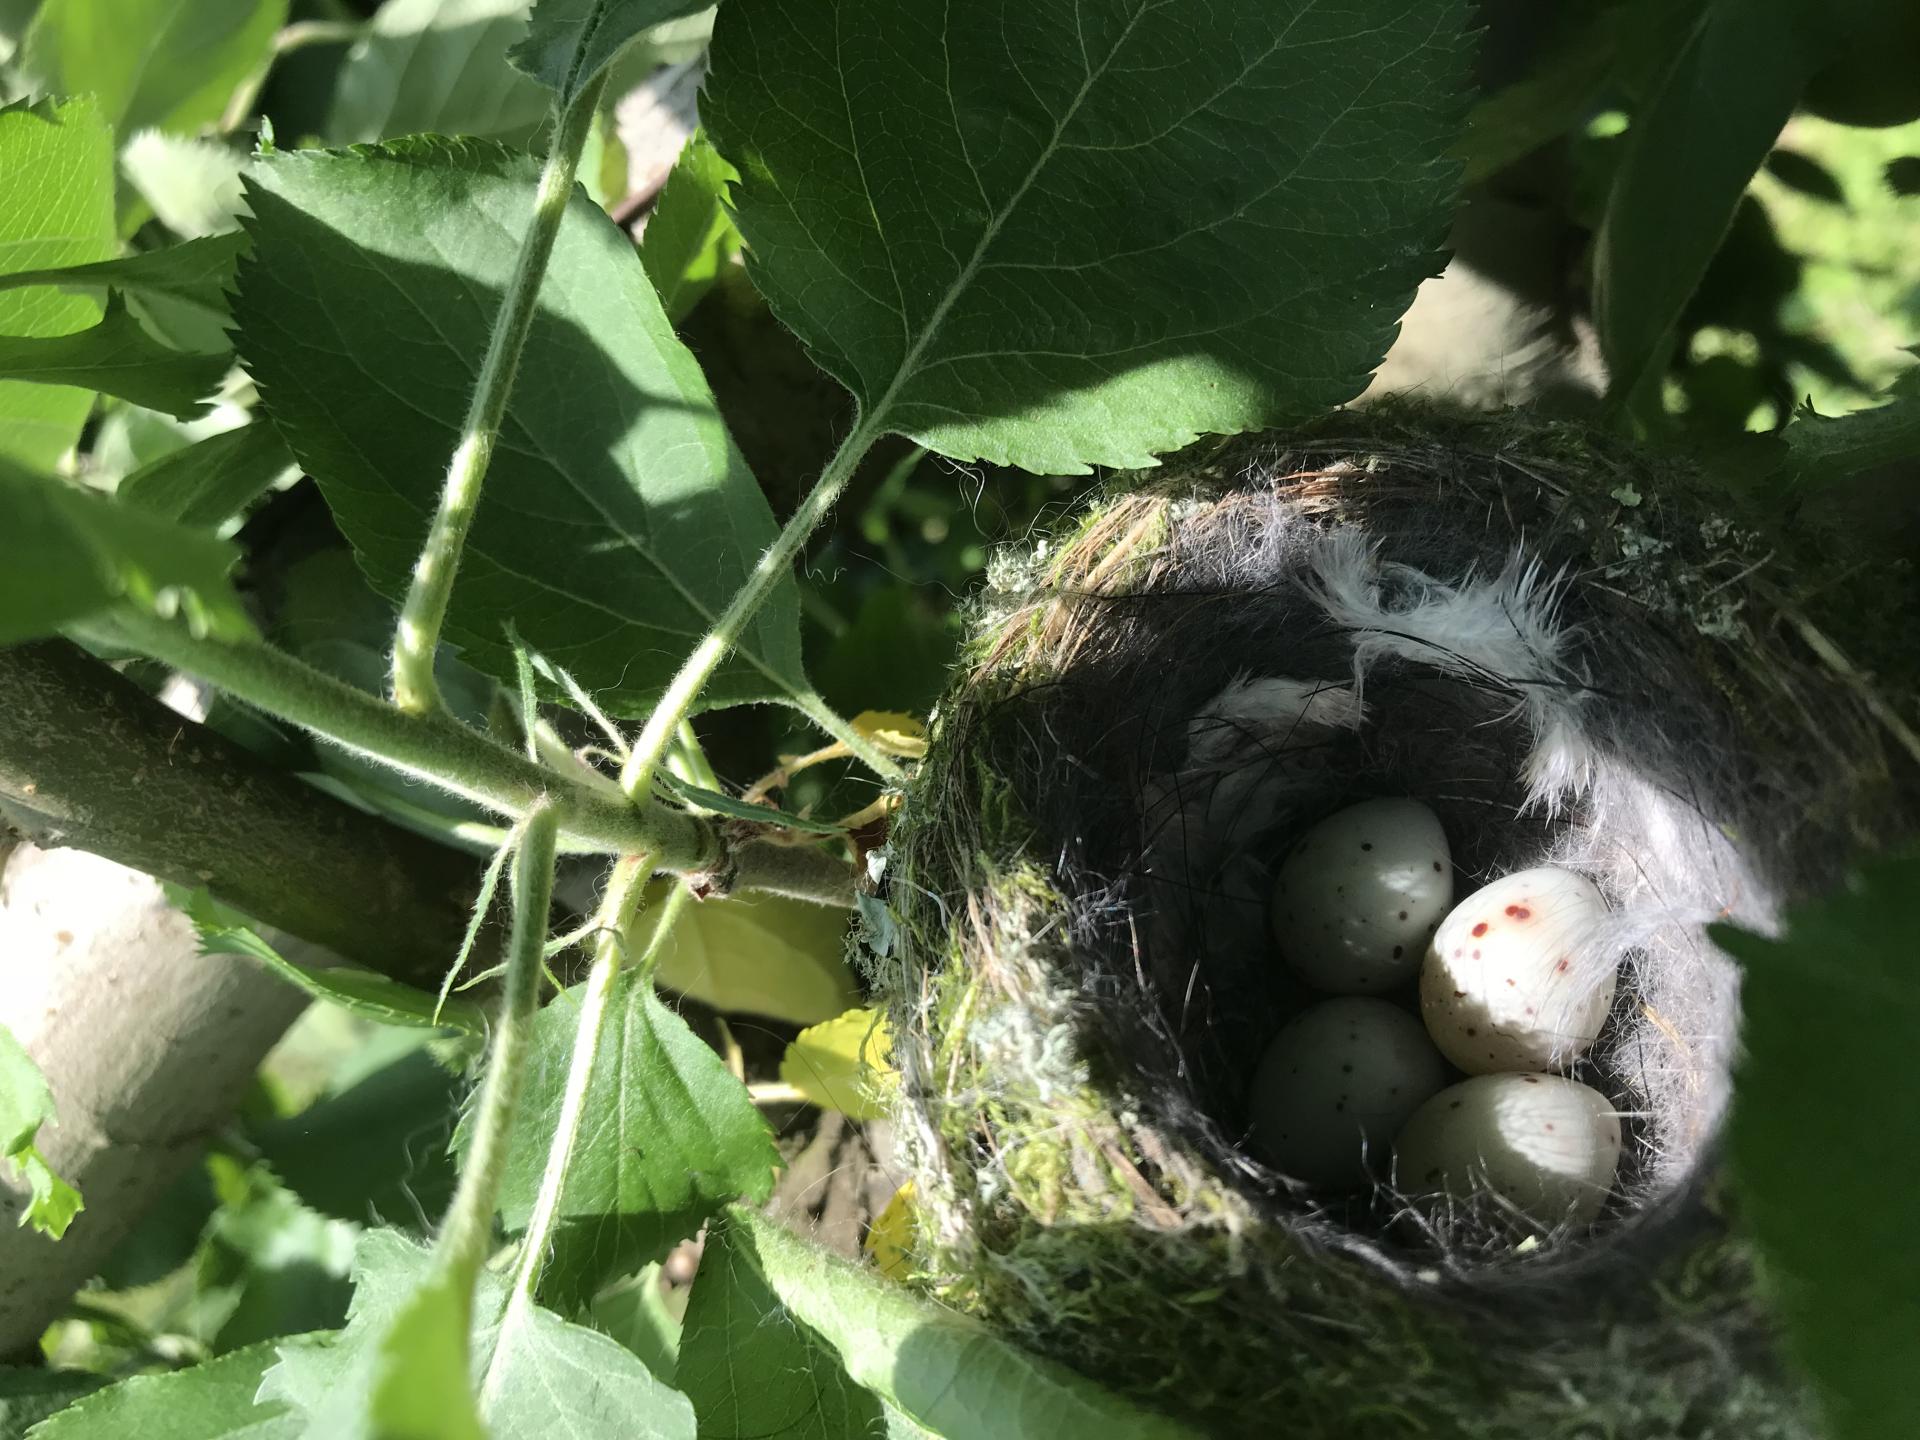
point(1577, 656)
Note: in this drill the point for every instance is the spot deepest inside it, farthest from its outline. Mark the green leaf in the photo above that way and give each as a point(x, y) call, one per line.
point(117, 357)
point(210, 1401)
point(161, 64)
point(1695, 143)
point(689, 235)
point(1557, 93)
point(1827, 1173)
point(553, 1380)
point(673, 1137)
point(1059, 235)
point(207, 483)
point(436, 66)
point(757, 954)
point(569, 42)
point(377, 1149)
point(66, 554)
point(1824, 449)
point(371, 996)
point(421, 1388)
point(58, 164)
point(721, 804)
point(635, 1313)
point(194, 271)
point(946, 1372)
point(751, 1370)
point(29, 1395)
point(26, 1103)
point(618, 517)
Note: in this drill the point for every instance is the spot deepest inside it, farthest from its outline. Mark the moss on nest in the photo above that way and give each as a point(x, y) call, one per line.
point(1070, 1029)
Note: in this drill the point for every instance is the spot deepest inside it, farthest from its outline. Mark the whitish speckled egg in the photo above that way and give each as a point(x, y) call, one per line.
point(1357, 899)
point(1336, 1083)
point(1499, 988)
point(1548, 1146)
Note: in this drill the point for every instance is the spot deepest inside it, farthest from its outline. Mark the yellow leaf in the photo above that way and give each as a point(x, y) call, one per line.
point(890, 1238)
point(844, 1064)
point(759, 955)
point(894, 732)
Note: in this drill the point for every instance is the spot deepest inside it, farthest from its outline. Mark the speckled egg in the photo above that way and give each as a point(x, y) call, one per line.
point(1499, 987)
point(1546, 1145)
point(1336, 1083)
point(1357, 899)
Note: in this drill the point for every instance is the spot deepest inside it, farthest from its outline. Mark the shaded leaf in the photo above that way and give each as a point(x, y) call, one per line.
point(66, 554)
point(844, 1064)
point(1058, 235)
point(375, 1150)
point(670, 1137)
point(1824, 449)
point(196, 271)
point(752, 1371)
point(29, 1395)
point(420, 1384)
point(689, 235)
point(210, 1401)
point(1556, 94)
point(26, 1103)
point(555, 1379)
point(117, 357)
point(618, 517)
point(58, 164)
point(166, 64)
point(757, 954)
point(569, 42)
point(1695, 143)
point(1826, 1176)
point(371, 996)
point(436, 65)
point(635, 1313)
point(207, 483)
point(721, 804)
point(946, 1372)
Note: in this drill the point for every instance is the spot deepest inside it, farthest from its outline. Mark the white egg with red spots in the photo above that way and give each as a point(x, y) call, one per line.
point(1335, 1085)
point(1506, 984)
point(1547, 1146)
point(1356, 900)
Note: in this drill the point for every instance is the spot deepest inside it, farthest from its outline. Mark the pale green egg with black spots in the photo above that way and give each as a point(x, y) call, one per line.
point(1335, 1085)
point(1544, 1145)
point(1357, 899)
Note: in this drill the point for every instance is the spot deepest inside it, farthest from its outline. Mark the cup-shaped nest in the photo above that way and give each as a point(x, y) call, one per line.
point(1577, 656)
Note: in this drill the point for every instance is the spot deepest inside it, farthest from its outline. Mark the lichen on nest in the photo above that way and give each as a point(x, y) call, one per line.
point(1572, 653)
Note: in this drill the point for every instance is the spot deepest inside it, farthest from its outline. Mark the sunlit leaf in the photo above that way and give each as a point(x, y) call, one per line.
point(618, 518)
point(844, 1064)
point(435, 65)
point(569, 42)
point(689, 235)
point(209, 1401)
point(1058, 234)
point(758, 955)
point(26, 1103)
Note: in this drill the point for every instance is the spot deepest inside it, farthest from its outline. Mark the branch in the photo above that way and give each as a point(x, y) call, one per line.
point(90, 760)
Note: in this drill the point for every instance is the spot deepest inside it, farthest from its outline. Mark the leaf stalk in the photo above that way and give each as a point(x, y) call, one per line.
point(424, 611)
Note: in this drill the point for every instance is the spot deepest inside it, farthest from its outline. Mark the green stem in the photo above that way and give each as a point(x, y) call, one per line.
point(616, 914)
point(464, 1237)
point(425, 610)
point(775, 565)
point(433, 748)
point(809, 704)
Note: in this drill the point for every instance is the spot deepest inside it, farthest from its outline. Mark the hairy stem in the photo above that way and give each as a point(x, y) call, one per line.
point(425, 610)
point(617, 910)
point(776, 564)
point(464, 1237)
point(835, 724)
point(433, 748)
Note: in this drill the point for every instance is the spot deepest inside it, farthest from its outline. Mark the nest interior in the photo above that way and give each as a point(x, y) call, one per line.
point(1493, 617)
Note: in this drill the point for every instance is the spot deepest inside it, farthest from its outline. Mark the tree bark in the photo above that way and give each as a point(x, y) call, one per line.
point(90, 760)
point(147, 1044)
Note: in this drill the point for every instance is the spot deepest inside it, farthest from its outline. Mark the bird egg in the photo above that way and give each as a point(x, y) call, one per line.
point(1336, 1083)
point(1357, 899)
